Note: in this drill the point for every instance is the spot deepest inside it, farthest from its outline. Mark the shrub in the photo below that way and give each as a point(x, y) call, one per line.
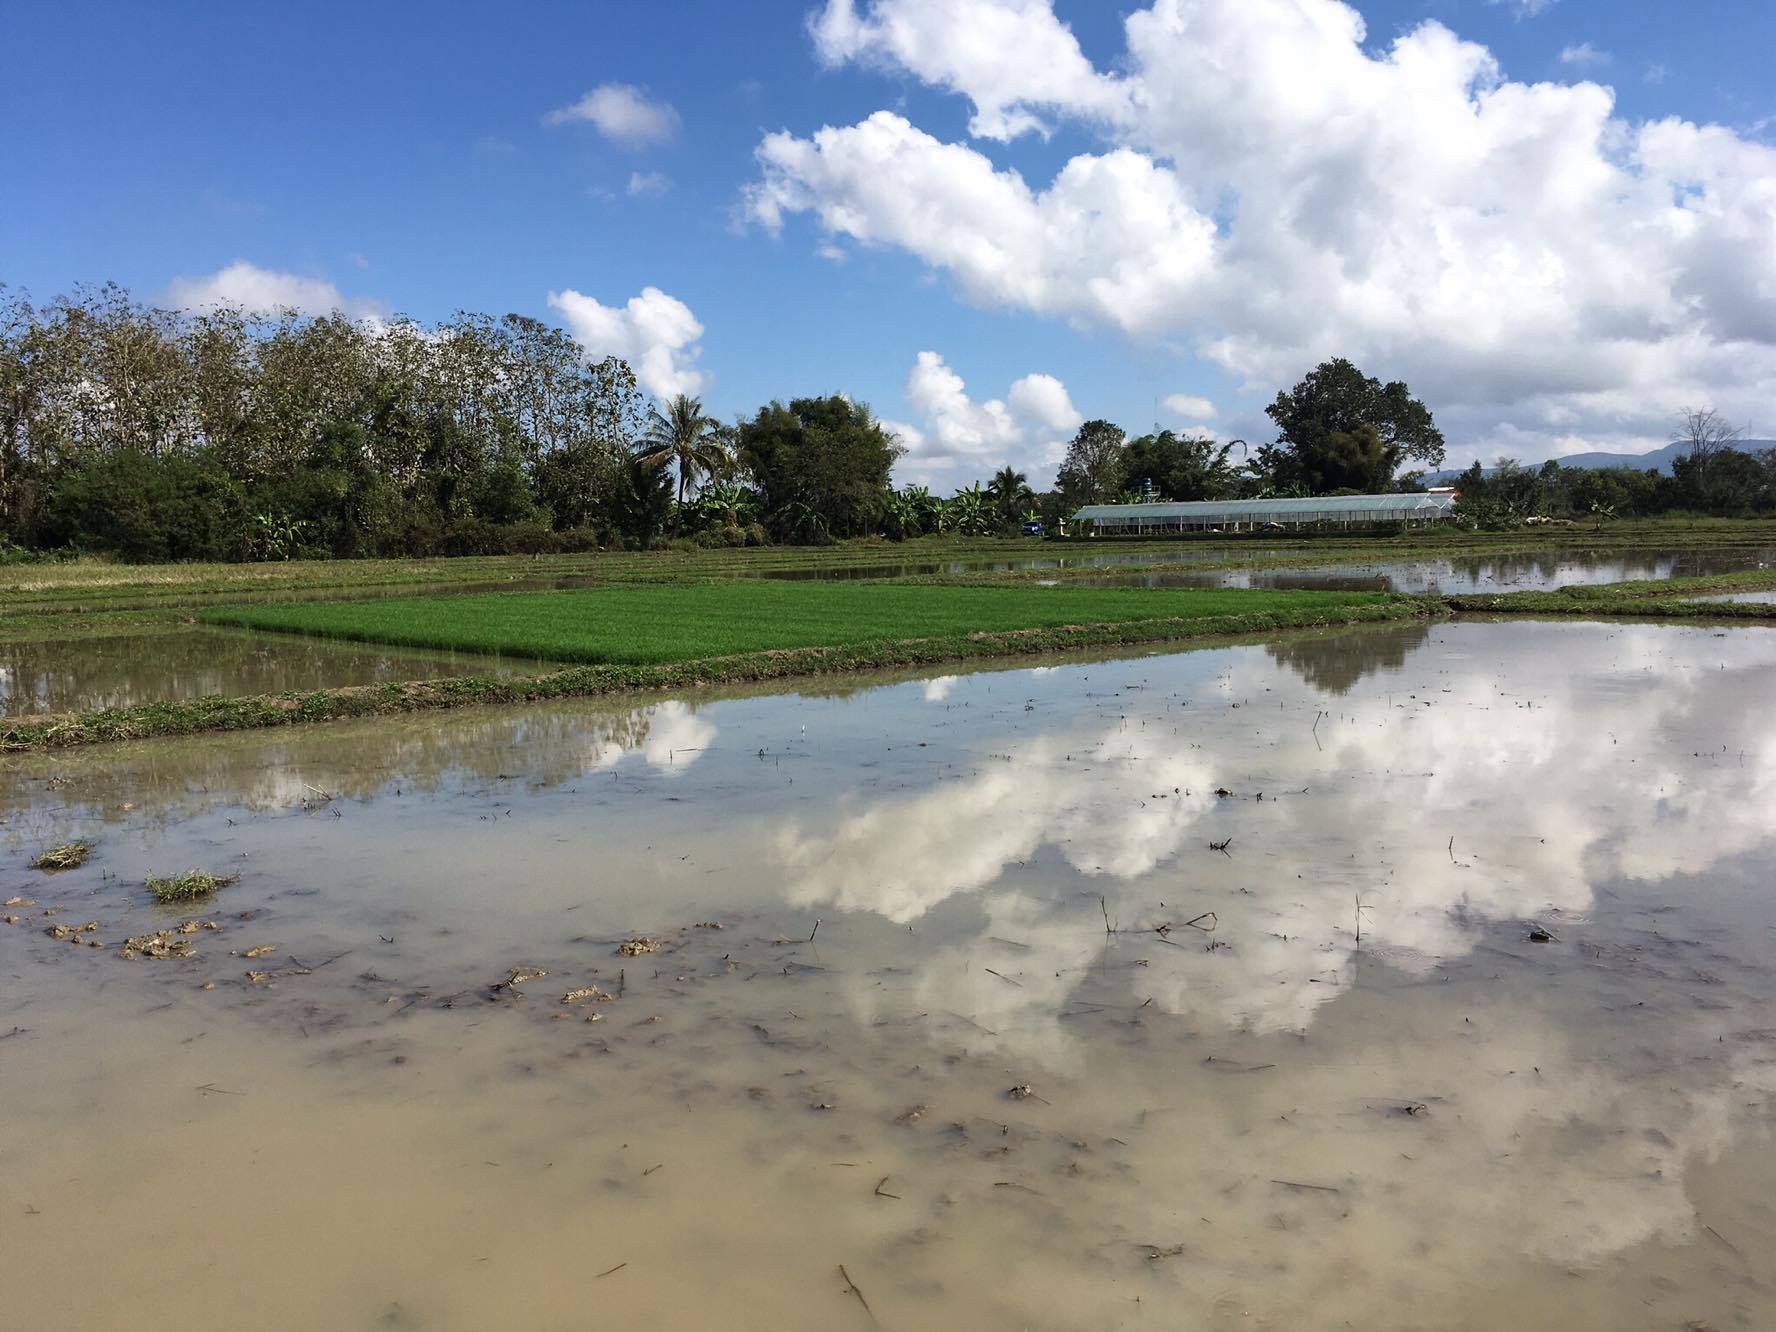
point(145, 508)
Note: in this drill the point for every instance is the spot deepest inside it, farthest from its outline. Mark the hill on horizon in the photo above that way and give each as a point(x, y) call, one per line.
point(1655, 460)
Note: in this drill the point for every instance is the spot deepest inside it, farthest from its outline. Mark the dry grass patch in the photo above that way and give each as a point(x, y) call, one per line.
point(67, 856)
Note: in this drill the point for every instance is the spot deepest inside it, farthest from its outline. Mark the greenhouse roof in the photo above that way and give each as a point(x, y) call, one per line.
point(1333, 506)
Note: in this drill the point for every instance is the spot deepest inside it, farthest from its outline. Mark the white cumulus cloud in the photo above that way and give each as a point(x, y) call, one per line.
point(622, 113)
point(655, 333)
point(1012, 57)
point(1270, 189)
point(956, 438)
point(1042, 400)
point(1189, 405)
point(248, 287)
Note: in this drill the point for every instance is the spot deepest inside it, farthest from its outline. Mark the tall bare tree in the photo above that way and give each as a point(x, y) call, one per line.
point(1707, 434)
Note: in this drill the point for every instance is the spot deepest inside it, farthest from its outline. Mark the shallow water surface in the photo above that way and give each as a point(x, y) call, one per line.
point(1748, 598)
point(1469, 575)
point(76, 674)
point(1321, 1077)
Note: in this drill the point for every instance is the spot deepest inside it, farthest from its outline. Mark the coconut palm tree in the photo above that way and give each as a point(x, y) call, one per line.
point(1009, 490)
point(692, 442)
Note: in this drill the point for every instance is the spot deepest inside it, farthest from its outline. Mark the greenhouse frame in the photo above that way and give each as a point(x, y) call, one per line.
point(1247, 515)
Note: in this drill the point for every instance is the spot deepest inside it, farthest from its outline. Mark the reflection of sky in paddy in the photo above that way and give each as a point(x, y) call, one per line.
point(1570, 769)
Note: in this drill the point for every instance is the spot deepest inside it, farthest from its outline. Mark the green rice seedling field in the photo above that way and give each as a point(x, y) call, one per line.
point(671, 623)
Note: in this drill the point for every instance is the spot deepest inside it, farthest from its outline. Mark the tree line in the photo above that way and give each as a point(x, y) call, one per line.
point(220, 434)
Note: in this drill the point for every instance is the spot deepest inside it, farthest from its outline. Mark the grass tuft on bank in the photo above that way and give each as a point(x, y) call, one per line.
point(628, 625)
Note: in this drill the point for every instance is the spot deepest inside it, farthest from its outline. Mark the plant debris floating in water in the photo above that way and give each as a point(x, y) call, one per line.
point(515, 977)
point(188, 887)
point(638, 946)
point(162, 943)
point(69, 855)
point(587, 993)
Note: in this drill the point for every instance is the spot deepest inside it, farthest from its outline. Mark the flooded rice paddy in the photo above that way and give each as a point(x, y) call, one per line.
point(82, 673)
point(1419, 977)
point(1456, 575)
point(124, 670)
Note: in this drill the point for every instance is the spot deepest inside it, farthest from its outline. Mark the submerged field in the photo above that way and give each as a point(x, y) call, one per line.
point(42, 600)
point(654, 624)
point(1402, 978)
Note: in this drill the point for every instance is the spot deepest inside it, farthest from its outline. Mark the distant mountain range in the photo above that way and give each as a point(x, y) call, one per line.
point(1657, 460)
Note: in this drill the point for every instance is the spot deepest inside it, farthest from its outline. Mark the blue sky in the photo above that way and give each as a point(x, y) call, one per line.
point(398, 155)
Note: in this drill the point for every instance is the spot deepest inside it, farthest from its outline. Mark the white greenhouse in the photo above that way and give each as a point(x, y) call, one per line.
point(1247, 515)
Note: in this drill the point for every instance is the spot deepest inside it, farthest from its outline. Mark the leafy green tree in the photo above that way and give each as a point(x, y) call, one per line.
point(1339, 429)
point(1052, 507)
point(335, 501)
point(1179, 467)
point(643, 501)
point(577, 483)
point(1091, 473)
point(1725, 482)
point(825, 459)
point(682, 436)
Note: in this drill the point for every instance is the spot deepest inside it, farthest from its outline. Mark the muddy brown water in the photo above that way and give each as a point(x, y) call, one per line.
point(1270, 1123)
